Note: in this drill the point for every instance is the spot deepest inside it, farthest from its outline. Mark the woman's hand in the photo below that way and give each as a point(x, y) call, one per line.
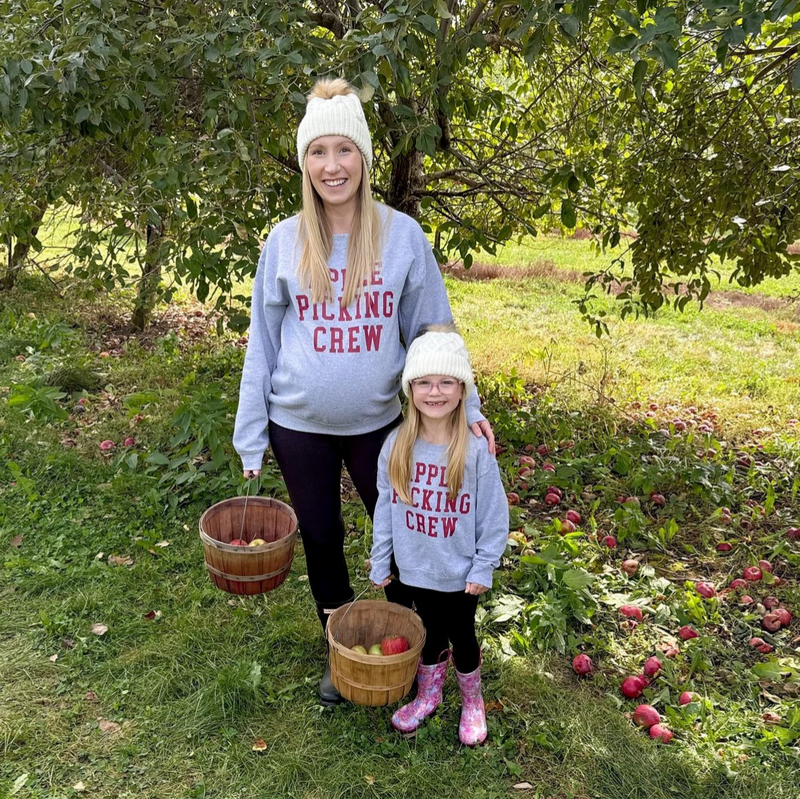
point(484, 429)
point(249, 474)
point(476, 589)
point(383, 584)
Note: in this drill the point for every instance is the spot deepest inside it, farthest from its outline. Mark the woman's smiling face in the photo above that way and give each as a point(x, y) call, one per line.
point(335, 167)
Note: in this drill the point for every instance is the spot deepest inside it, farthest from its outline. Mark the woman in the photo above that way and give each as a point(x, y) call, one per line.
point(336, 287)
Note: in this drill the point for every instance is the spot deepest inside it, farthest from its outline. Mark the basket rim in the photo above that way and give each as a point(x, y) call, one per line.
point(371, 659)
point(248, 550)
point(271, 502)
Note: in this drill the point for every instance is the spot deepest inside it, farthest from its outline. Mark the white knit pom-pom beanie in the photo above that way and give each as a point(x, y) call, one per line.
point(334, 109)
point(438, 352)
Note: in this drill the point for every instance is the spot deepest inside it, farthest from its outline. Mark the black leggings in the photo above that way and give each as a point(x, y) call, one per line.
point(311, 465)
point(448, 617)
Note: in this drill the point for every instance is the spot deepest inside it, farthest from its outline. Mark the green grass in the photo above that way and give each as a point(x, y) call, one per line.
point(194, 688)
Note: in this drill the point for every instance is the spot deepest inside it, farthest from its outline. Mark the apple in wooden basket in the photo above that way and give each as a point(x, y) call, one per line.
point(394, 645)
point(257, 542)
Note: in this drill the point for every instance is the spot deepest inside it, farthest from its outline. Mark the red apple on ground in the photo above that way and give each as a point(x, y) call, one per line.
point(573, 516)
point(129, 442)
point(686, 632)
point(687, 697)
point(752, 574)
point(756, 642)
point(513, 498)
point(784, 616)
point(567, 526)
point(527, 460)
point(765, 566)
point(394, 644)
point(543, 449)
point(631, 612)
point(646, 716)
point(652, 666)
point(107, 445)
point(609, 541)
point(771, 622)
point(658, 499)
point(631, 687)
point(548, 467)
point(582, 665)
point(724, 546)
point(738, 583)
point(630, 566)
point(705, 589)
point(555, 490)
point(770, 602)
point(746, 599)
point(551, 499)
point(771, 718)
point(661, 732)
point(765, 649)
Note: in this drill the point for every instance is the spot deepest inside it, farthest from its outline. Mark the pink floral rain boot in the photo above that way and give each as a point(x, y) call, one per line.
point(472, 727)
point(430, 680)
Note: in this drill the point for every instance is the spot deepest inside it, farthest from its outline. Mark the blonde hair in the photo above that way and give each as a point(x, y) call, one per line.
point(402, 452)
point(365, 240)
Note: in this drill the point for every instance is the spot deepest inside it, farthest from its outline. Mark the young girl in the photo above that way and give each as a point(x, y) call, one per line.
point(442, 513)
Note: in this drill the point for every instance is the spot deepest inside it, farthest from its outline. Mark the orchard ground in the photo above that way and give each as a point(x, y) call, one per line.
point(124, 672)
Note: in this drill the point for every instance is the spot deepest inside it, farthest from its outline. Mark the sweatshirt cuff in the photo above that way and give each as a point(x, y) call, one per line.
point(481, 574)
point(379, 573)
point(251, 460)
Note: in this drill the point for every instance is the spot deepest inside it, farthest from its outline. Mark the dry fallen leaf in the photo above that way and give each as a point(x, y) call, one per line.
point(53, 658)
point(107, 726)
point(78, 786)
point(16, 541)
point(120, 560)
point(370, 779)
point(259, 745)
point(233, 603)
point(99, 555)
point(91, 696)
point(162, 544)
point(523, 786)
point(99, 629)
point(302, 578)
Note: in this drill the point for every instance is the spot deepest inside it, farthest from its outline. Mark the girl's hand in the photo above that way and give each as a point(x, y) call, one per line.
point(476, 589)
point(383, 584)
point(249, 474)
point(484, 429)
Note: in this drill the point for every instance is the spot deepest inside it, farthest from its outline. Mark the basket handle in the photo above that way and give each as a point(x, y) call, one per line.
point(246, 497)
point(353, 602)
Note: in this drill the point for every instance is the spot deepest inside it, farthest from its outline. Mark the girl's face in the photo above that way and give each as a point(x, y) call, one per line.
point(436, 396)
point(335, 167)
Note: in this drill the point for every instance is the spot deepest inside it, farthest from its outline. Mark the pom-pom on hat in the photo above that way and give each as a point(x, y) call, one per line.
point(334, 109)
point(440, 350)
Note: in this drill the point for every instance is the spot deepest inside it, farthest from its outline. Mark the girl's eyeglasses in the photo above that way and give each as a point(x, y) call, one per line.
point(446, 386)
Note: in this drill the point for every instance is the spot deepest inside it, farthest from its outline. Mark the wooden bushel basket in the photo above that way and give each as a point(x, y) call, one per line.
point(248, 570)
point(368, 679)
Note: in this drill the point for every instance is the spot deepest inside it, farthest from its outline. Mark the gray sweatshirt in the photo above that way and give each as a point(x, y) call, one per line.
point(437, 543)
point(323, 368)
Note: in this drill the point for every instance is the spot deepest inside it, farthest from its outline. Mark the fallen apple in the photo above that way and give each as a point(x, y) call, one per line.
point(646, 716)
point(658, 499)
point(631, 687)
point(573, 516)
point(770, 602)
point(567, 526)
point(394, 645)
point(661, 732)
point(513, 498)
point(765, 566)
point(771, 622)
point(752, 574)
point(724, 546)
point(630, 566)
point(738, 583)
point(705, 589)
point(555, 490)
point(652, 666)
point(582, 665)
point(107, 445)
point(784, 616)
point(687, 697)
point(609, 541)
point(552, 499)
point(631, 612)
point(686, 632)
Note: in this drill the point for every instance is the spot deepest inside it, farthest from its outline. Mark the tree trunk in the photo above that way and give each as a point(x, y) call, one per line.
point(147, 295)
point(17, 254)
point(406, 181)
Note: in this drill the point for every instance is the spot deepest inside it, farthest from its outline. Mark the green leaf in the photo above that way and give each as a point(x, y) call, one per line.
point(769, 671)
point(622, 44)
point(668, 54)
point(82, 114)
point(569, 216)
point(569, 24)
point(639, 72)
point(796, 79)
point(577, 579)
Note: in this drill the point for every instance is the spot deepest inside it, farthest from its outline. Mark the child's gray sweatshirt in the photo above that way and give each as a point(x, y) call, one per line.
point(439, 543)
point(322, 368)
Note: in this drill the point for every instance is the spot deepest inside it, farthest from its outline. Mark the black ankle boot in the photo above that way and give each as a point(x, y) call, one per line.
point(328, 695)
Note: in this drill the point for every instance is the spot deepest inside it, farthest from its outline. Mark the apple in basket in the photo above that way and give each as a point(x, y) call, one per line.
point(375, 649)
point(257, 542)
point(394, 645)
point(361, 650)
point(239, 542)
